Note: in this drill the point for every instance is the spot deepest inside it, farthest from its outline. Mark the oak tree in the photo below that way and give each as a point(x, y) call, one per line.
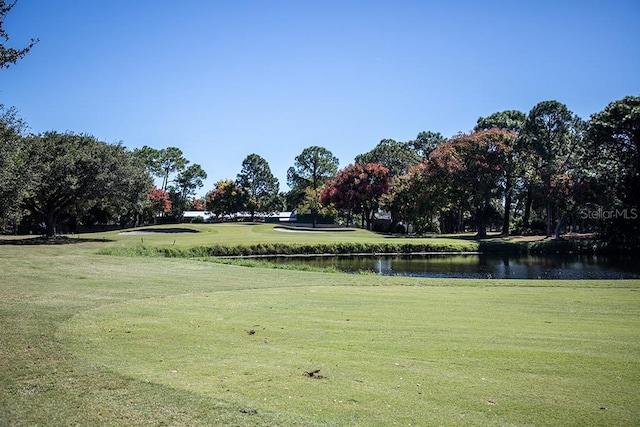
point(15, 178)
point(73, 173)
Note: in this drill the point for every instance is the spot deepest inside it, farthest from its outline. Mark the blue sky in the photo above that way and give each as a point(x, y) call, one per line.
point(224, 79)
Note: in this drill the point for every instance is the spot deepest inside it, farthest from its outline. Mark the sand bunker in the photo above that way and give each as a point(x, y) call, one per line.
point(288, 230)
point(306, 230)
point(159, 231)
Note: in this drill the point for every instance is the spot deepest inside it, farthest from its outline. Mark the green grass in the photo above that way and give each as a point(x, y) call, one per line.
point(265, 239)
point(90, 339)
point(232, 235)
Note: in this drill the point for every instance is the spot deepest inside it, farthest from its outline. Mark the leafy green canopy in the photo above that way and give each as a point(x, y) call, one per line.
point(13, 179)
point(226, 198)
point(312, 168)
point(72, 173)
point(259, 184)
point(170, 162)
point(613, 138)
point(400, 157)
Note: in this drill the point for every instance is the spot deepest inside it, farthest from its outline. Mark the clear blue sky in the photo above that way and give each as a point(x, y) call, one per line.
point(224, 79)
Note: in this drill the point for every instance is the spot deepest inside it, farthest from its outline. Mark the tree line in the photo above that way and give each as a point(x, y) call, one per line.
point(543, 172)
point(546, 171)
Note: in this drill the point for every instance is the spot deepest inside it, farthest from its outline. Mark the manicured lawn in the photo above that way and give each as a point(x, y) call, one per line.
point(91, 339)
point(248, 233)
point(269, 238)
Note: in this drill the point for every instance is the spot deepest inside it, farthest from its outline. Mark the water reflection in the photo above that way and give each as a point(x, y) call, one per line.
point(483, 266)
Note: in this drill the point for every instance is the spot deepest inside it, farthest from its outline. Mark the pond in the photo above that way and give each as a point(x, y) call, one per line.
point(474, 266)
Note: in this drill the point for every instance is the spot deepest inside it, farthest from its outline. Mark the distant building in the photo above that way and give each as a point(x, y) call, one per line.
point(293, 218)
point(189, 216)
point(281, 218)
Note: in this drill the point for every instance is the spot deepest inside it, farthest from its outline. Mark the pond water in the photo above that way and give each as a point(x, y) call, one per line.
point(481, 265)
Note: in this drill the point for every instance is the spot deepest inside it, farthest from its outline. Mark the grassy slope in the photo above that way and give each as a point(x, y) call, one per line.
point(484, 352)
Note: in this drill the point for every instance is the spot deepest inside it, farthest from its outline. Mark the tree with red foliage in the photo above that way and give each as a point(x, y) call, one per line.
point(358, 189)
point(475, 167)
point(198, 204)
point(415, 197)
point(226, 199)
point(160, 201)
point(510, 120)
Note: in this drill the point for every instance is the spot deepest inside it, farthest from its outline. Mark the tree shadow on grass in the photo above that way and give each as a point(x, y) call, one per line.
point(43, 240)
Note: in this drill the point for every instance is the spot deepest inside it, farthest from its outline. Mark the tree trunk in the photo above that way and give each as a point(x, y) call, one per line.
point(527, 207)
point(549, 219)
point(507, 209)
point(481, 227)
point(50, 223)
point(369, 215)
point(561, 223)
